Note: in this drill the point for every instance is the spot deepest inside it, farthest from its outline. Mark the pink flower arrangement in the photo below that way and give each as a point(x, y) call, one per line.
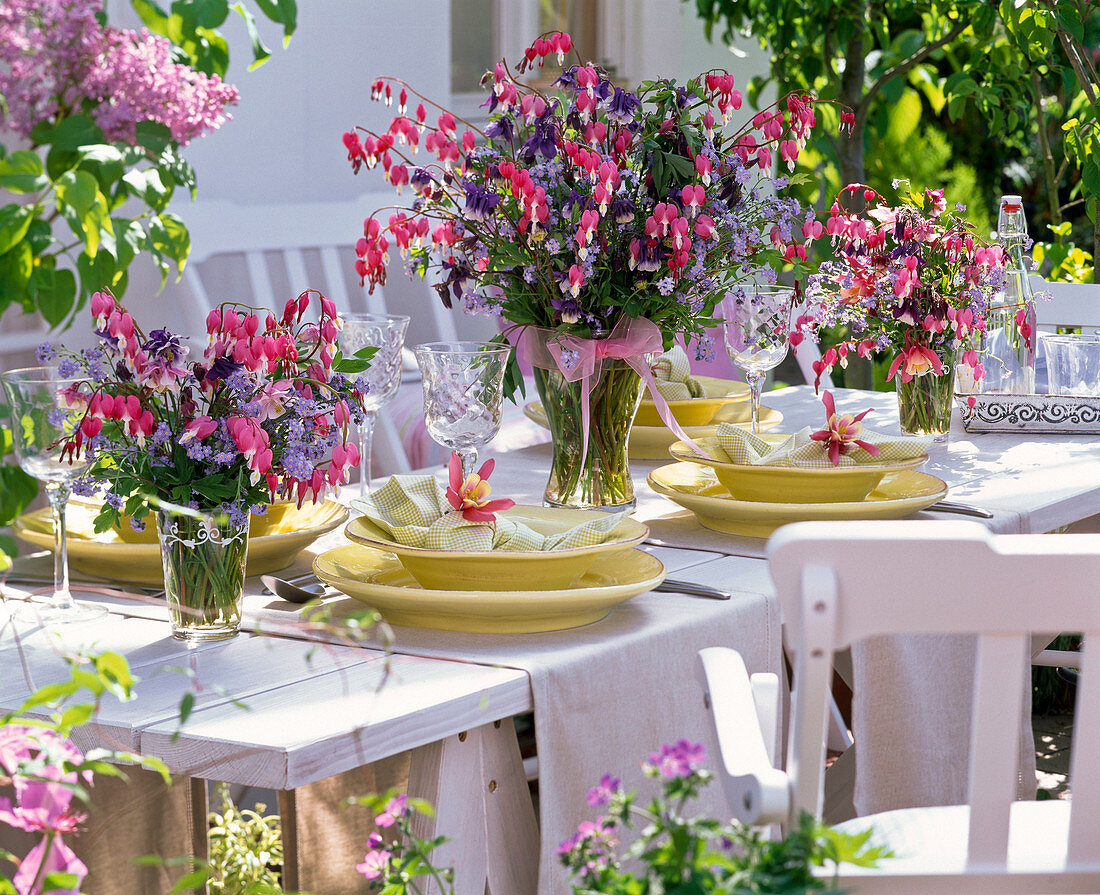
point(581, 206)
point(909, 279)
point(265, 410)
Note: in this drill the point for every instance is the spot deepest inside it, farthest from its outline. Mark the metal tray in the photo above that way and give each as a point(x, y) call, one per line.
point(1064, 414)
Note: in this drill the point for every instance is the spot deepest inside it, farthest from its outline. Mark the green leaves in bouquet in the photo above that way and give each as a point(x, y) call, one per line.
point(112, 197)
point(192, 26)
point(354, 363)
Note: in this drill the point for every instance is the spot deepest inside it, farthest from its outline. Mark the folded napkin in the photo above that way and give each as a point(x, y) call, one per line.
point(672, 372)
point(414, 511)
point(738, 446)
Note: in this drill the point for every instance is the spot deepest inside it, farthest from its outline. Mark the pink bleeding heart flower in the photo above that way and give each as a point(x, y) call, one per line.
point(471, 497)
point(842, 431)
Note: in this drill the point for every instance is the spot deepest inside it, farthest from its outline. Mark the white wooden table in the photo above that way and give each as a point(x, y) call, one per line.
point(341, 720)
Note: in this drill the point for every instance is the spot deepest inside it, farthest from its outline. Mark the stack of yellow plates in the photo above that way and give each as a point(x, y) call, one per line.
point(504, 569)
point(717, 393)
point(793, 484)
point(273, 543)
point(696, 488)
point(378, 578)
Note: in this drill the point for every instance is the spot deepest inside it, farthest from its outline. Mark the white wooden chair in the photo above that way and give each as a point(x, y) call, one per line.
point(841, 582)
point(1070, 304)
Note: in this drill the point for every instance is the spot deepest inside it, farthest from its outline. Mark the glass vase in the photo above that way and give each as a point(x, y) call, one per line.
point(924, 402)
point(203, 560)
point(602, 481)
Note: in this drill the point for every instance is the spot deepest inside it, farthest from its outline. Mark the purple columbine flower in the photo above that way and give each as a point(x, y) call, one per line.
point(543, 140)
point(622, 106)
point(164, 345)
point(479, 202)
point(503, 127)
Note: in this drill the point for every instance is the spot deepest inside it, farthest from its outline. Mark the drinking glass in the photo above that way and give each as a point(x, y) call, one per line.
point(463, 392)
point(757, 333)
point(41, 423)
point(386, 332)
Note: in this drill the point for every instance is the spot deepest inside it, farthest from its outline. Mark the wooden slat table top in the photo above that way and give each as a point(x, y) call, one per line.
point(268, 711)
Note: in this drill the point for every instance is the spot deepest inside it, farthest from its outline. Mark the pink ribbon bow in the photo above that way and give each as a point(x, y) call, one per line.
point(630, 340)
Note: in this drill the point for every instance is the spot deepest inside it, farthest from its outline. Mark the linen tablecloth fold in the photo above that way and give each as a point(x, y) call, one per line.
point(608, 693)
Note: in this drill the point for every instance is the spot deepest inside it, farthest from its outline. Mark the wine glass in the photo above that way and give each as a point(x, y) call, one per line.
point(463, 392)
point(757, 334)
point(386, 332)
point(41, 423)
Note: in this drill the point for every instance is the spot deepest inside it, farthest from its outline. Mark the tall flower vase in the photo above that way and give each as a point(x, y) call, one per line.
point(924, 402)
point(598, 478)
point(203, 561)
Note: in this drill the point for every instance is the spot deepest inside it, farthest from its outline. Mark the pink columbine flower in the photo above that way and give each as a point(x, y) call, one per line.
point(200, 427)
point(273, 399)
point(842, 431)
point(471, 497)
point(915, 360)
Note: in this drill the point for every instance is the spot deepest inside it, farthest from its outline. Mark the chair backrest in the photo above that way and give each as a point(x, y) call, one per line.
point(1070, 304)
point(840, 582)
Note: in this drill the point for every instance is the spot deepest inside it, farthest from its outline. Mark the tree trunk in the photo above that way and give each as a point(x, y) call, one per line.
point(850, 156)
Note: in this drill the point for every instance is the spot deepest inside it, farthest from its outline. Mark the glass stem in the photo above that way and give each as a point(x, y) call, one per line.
point(469, 460)
point(756, 384)
point(366, 433)
point(58, 495)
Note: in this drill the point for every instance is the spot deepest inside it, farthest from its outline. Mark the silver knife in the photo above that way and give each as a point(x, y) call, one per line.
point(961, 509)
point(672, 585)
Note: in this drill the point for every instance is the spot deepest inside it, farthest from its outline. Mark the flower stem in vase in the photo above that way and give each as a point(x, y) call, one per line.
point(924, 402)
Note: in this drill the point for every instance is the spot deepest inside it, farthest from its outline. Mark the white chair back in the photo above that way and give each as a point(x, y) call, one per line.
point(841, 582)
point(1070, 304)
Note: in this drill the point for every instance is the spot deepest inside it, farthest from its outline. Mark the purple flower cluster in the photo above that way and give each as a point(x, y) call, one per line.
point(55, 57)
point(677, 759)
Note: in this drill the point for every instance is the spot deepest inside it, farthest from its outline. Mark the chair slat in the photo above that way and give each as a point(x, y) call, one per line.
point(296, 273)
point(994, 737)
point(336, 286)
point(1084, 818)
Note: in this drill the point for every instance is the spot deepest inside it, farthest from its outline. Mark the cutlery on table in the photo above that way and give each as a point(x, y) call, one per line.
point(292, 591)
point(672, 585)
point(961, 509)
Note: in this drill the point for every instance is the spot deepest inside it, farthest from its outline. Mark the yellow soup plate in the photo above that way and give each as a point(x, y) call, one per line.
point(695, 488)
point(695, 411)
point(273, 543)
point(378, 579)
point(653, 442)
point(793, 484)
point(484, 570)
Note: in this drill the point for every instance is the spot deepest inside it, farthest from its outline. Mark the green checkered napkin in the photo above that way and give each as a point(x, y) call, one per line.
point(738, 446)
point(414, 511)
point(672, 372)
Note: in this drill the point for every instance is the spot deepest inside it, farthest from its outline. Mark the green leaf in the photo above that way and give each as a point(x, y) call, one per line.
point(55, 295)
point(154, 136)
point(202, 13)
point(284, 12)
point(74, 132)
point(170, 237)
point(60, 882)
point(77, 189)
point(187, 704)
point(14, 223)
point(17, 489)
point(155, 18)
point(22, 172)
point(16, 267)
point(260, 53)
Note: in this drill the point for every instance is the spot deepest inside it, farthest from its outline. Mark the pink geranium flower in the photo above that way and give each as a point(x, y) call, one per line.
point(842, 431)
point(471, 497)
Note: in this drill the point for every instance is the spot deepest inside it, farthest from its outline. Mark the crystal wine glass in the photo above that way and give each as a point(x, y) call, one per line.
point(41, 423)
point(757, 334)
point(386, 332)
point(463, 392)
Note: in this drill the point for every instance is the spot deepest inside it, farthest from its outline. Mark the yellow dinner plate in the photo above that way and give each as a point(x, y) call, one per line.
point(653, 442)
point(793, 484)
point(484, 570)
point(378, 579)
point(273, 543)
point(695, 411)
point(695, 488)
